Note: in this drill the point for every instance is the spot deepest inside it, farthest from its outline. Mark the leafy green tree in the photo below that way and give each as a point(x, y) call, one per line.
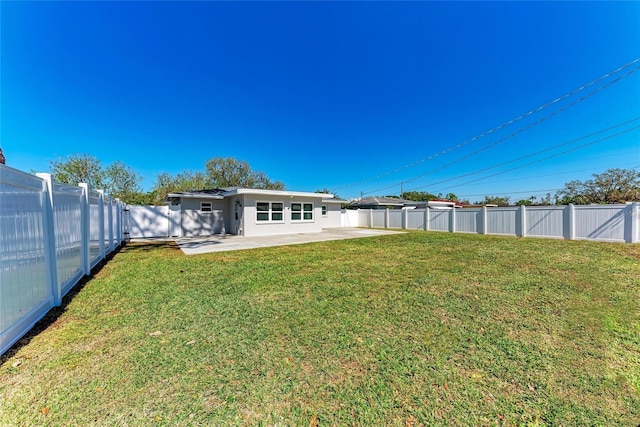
point(326, 191)
point(184, 181)
point(121, 181)
point(495, 200)
point(526, 202)
point(534, 201)
point(229, 172)
point(117, 180)
point(612, 186)
point(142, 198)
point(418, 196)
point(77, 168)
point(220, 172)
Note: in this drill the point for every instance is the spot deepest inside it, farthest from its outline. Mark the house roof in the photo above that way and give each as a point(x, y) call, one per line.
point(236, 191)
point(174, 198)
point(221, 193)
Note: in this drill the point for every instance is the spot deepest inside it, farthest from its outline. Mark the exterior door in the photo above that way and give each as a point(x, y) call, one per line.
point(237, 217)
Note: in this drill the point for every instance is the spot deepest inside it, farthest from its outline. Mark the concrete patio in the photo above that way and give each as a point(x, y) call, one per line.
point(201, 245)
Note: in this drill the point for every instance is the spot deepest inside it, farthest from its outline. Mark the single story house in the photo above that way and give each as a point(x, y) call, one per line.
point(251, 212)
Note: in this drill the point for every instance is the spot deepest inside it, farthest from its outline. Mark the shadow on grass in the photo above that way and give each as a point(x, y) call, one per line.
point(150, 245)
point(55, 312)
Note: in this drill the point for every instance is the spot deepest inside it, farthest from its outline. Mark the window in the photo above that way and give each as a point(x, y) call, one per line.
point(301, 211)
point(269, 211)
point(206, 207)
point(324, 210)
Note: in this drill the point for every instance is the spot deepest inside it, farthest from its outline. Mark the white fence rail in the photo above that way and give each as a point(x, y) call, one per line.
point(610, 223)
point(51, 235)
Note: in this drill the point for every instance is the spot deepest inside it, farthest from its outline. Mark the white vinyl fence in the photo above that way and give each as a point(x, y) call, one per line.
point(610, 223)
point(51, 235)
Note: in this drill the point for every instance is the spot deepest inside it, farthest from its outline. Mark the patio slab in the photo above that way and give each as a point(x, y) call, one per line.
point(201, 245)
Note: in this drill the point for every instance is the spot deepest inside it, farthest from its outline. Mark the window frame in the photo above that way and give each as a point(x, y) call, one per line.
point(270, 212)
point(203, 210)
point(302, 212)
point(325, 211)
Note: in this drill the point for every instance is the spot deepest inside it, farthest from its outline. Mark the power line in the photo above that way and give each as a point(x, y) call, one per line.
point(506, 193)
point(517, 132)
point(536, 153)
point(495, 129)
point(548, 157)
point(527, 191)
point(564, 172)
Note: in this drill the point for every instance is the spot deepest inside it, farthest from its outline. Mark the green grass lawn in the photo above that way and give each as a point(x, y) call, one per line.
point(411, 329)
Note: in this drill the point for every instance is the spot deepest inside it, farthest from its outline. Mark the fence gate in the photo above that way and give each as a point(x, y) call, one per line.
point(149, 221)
point(175, 222)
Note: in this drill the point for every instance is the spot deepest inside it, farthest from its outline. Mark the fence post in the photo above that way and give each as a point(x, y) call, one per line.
point(633, 219)
point(50, 238)
point(118, 222)
point(483, 220)
point(427, 218)
point(386, 218)
point(85, 208)
point(101, 223)
point(111, 246)
point(452, 221)
point(370, 218)
point(571, 222)
point(405, 218)
point(523, 221)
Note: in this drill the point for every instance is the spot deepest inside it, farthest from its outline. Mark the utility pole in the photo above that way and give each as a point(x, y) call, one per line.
point(401, 189)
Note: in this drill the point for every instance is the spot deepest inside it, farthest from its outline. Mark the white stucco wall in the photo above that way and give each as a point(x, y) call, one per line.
point(253, 227)
point(334, 215)
point(197, 223)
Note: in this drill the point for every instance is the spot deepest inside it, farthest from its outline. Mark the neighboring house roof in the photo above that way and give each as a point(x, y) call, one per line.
point(372, 202)
point(379, 201)
point(221, 193)
point(440, 203)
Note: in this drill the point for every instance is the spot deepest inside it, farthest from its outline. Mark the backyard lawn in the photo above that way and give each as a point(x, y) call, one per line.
point(418, 328)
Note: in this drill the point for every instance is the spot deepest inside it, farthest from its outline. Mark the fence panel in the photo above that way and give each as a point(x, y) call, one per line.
point(25, 291)
point(364, 218)
point(46, 235)
point(415, 219)
point(67, 213)
point(600, 222)
point(545, 221)
point(106, 218)
point(114, 223)
point(350, 218)
point(468, 220)
point(439, 219)
point(95, 225)
point(502, 221)
point(395, 218)
point(378, 217)
point(148, 221)
point(613, 223)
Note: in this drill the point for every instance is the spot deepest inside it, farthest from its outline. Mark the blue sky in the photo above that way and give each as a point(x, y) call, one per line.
point(356, 97)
